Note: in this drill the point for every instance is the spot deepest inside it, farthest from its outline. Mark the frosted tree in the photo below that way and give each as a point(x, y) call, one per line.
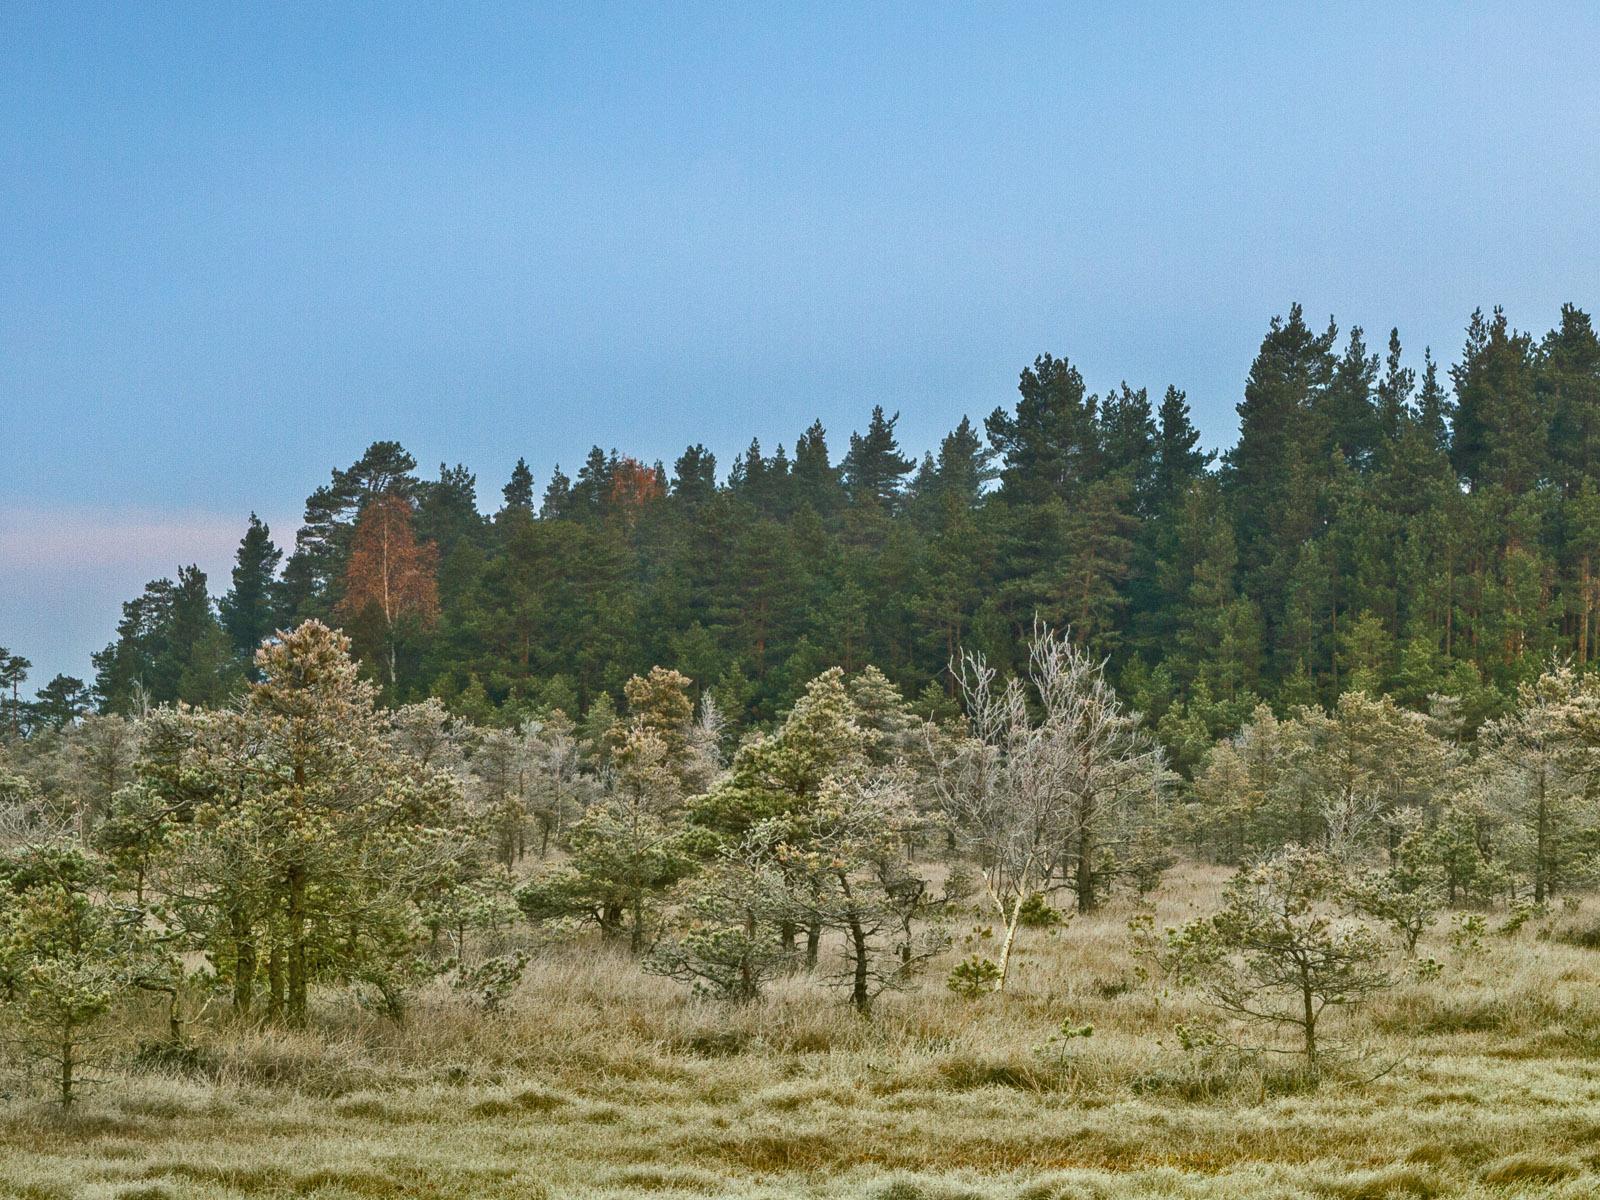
point(504, 767)
point(1280, 953)
point(1048, 801)
point(849, 853)
point(706, 762)
point(627, 851)
point(310, 837)
point(731, 914)
point(430, 737)
point(1541, 762)
point(1346, 778)
point(1363, 767)
point(67, 955)
point(103, 749)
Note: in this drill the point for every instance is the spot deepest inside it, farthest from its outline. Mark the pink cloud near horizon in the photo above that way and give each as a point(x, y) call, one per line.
point(69, 539)
point(65, 572)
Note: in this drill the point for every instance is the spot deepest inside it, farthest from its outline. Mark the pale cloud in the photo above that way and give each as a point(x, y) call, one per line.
point(64, 572)
point(51, 540)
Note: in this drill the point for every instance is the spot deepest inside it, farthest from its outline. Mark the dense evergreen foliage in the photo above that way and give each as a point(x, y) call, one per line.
point(1374, 527)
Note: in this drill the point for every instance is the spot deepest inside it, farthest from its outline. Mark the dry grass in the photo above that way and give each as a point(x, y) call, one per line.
point(602, 1082)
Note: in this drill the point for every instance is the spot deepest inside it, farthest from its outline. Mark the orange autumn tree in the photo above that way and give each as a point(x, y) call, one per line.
point(391, 578)
point(634, 485)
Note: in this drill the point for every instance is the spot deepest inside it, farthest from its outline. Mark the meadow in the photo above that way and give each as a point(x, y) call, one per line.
point(1478, 1079)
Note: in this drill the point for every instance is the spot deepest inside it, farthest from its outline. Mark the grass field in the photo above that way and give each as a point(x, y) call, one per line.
point(1482, 1081)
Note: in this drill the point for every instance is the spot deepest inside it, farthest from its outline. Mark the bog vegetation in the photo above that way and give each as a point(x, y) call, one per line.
point(1205, 832)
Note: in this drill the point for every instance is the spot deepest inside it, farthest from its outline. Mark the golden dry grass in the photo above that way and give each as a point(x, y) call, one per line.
point(602, 1082)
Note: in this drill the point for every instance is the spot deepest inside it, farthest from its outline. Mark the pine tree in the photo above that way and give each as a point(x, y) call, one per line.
point(1351, 421)
point(593, 486)
point(14, 670)
point(963, 468)
point(1267, 468)
point(1436, 412)
point(311, 836)
point(1394, 396)
point(518, 491)
point(816, 481)
point(1128, 444)
point(1049, 446)
point(874, 470)
point(248, 611)
point(1178, 460)
point(1501, 430)
point(1539, 758)
point(694, 476)
point(61, 702)
point(628, 850)
point(322, 542)
point(1569, 387)
point(557, 496)
point(67, 954)
point(446, 509)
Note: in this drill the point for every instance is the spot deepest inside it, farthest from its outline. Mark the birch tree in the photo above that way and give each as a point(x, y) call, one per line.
point(1044, 802)
point(390, 577)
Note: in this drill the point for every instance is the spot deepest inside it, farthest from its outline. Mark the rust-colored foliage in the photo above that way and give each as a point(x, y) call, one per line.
point(633, 485)
point(389, 571)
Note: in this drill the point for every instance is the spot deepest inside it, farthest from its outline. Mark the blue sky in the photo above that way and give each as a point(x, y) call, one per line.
point(242, 242)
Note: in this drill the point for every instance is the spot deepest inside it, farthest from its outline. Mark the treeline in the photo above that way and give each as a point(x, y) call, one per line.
point(1377, 527)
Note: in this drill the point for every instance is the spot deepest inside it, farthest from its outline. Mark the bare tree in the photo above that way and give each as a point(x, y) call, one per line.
point(707, 764)
point(560, 789)
point(1044, 802)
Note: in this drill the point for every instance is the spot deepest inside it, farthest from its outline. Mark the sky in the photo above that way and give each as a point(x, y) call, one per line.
point(239, 242)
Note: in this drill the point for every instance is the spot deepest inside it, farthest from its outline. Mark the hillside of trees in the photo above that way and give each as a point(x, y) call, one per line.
point(1395, 528)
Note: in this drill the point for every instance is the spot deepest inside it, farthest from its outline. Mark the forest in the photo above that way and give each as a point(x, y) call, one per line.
point(1376, 527)
point(1067, 813)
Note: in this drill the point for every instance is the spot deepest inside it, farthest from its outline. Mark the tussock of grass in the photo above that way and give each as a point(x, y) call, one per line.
point(1529, 1168)
point(1390, 1183)
point(346, 1181)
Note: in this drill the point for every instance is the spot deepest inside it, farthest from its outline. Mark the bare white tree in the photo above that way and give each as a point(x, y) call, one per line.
point(25, 818)
point(559, 790)
point(1044, 801)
